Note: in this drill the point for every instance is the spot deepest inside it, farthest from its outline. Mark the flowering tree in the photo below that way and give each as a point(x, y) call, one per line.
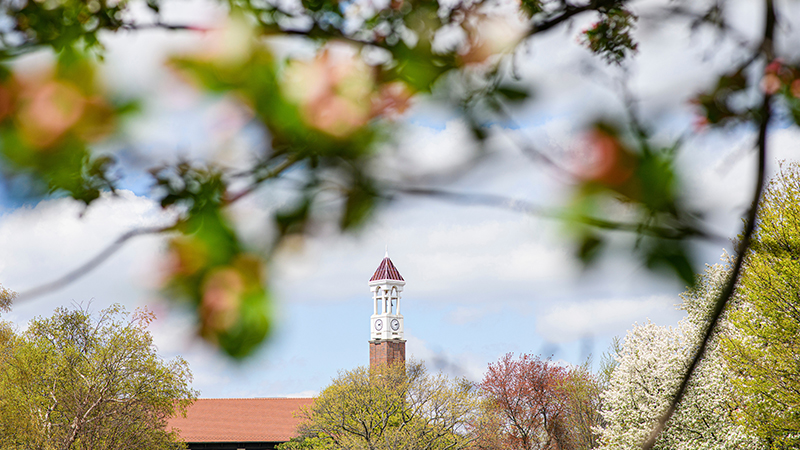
point(537, 405)
point(650, 365)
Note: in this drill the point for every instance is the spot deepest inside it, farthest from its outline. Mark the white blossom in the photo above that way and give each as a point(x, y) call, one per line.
point(650, 365)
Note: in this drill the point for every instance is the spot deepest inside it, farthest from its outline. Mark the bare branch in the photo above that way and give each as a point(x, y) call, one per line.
point(750, 223)
point(531, 151)
point(160, 26)
point(279, 169)
point(523, 206)
point(569, 12)
point(91, 264)
point(711, 17)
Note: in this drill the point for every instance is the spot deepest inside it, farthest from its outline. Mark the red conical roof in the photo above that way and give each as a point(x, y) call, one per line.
point(386, 271)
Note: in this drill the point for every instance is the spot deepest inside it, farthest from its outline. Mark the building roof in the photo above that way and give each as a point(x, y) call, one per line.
point(240, 420)
point(386, 271)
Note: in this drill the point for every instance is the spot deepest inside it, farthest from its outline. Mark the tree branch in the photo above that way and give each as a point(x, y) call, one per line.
point(710, 17)
point(90, 265)
point(749, 227)
point(526, 207)
point(277, 170)
point(160, 26)
point(570, 11)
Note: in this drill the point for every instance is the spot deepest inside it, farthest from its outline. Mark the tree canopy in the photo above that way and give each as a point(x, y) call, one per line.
point(390, 407)
point(763, 347)
point(533, 404)
point(82, 381)
point(6, 297)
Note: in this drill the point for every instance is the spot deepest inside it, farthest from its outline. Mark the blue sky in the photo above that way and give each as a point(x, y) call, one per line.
point(481, 282)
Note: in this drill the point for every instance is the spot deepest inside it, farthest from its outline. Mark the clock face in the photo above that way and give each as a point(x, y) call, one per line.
point(395, 324)
point(379, 324)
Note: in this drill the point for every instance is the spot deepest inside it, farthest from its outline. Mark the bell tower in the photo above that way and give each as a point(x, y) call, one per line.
point(386, 345)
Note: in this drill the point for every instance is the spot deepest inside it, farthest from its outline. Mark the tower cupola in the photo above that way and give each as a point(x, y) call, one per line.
point(386, 323)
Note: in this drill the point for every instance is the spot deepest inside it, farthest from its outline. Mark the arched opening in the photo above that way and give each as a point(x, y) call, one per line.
point(395, 299)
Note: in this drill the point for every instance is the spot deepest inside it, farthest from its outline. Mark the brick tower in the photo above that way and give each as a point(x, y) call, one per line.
point(386, 345)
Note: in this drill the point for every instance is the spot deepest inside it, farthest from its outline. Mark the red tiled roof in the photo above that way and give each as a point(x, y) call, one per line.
point(240, 420)
point(386, 271)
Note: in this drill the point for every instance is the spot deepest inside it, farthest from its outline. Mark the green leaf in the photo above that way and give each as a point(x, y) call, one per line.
point(99, 377)
point(253, 326)
point(794, 108)
point(293, 219)
point(657, 179)
point(673, 256)
point(590, 248)
point(359, 204)
point(419, 67)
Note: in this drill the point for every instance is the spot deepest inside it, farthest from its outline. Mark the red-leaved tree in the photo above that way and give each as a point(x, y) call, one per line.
point(534, 404)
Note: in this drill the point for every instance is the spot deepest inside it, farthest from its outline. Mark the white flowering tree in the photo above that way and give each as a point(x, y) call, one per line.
point(650, 365)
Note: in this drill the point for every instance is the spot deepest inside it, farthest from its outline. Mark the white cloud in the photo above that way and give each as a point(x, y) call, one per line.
point(579, 319)
point(422, 148)
point(43, 242)
point(461, 255)
point(439, 149)
point(719, 170)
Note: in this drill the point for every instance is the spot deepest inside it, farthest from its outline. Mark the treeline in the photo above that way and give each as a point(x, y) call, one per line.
point(745, 393)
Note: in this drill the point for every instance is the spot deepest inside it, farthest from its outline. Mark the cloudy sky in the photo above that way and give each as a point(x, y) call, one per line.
point(481, 281)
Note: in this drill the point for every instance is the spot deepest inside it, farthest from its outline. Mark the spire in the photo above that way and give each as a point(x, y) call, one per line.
point(387, 270)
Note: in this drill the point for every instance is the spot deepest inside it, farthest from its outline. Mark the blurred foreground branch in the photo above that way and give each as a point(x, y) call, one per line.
point(526, 207)
point(90, 265)
point(728, 289)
